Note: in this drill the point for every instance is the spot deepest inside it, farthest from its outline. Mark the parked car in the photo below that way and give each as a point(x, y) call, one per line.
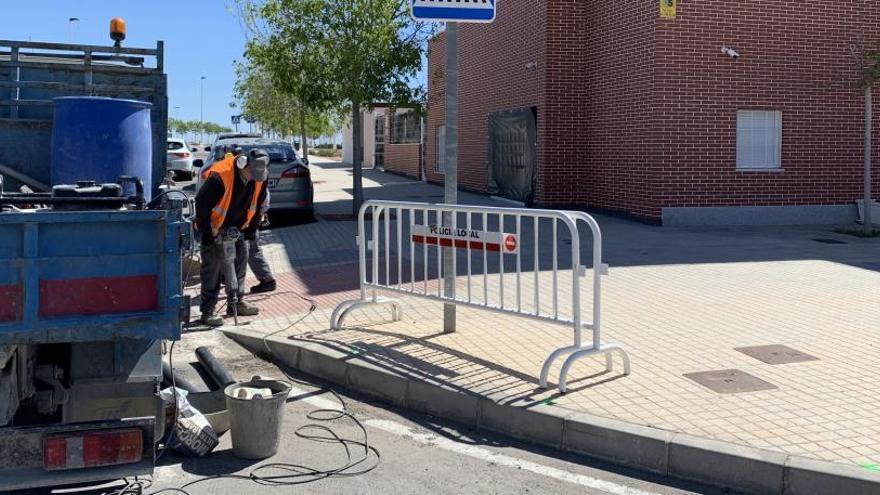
point(290, 180)
point(180, 159)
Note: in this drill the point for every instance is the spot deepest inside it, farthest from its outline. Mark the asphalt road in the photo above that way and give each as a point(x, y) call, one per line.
point(418, 454)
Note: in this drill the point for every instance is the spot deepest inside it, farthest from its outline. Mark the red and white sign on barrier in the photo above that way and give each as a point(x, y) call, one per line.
point(464, 238)
point(498, 261)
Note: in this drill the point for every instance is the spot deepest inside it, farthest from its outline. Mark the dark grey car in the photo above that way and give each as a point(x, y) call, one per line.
point(290, 181)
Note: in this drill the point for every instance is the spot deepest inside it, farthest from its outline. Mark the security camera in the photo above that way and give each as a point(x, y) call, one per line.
point(730, 52)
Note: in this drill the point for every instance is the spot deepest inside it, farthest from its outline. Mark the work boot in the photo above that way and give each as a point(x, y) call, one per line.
point(244, 309)
point(211, 320)
point(264, 286)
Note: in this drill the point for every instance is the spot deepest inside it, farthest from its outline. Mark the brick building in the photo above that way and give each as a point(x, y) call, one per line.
point(643, 109)
point(392, 140)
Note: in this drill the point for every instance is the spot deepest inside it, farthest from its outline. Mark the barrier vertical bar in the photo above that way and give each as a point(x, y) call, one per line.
point(453, 253)
point(399, 248)
point(440, 282)
point(485, 261)
point(468, 244)
point(377, 212)
point(555, 272)
point(425, 252)
point(537, 270)
point(501, 257)
point(576, 284)
point(519, 263)
point(387, 245)
point(362, 253)
point(412, 251)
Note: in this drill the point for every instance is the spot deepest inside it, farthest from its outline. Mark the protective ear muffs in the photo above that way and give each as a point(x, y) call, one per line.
point(241, 161)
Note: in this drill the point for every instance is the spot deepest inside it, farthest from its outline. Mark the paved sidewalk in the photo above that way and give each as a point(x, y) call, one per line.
point(680, 300)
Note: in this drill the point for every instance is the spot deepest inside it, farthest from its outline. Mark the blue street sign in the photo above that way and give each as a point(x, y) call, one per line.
point(454, 10)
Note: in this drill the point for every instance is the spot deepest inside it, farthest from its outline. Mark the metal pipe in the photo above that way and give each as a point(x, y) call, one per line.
point(214, 368)
point(23, 178)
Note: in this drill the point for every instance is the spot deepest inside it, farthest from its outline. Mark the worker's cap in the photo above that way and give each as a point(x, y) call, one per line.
point(258, 163)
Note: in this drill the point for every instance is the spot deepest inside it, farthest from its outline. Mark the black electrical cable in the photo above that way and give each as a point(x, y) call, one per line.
point(287, 474)
point(153, 202)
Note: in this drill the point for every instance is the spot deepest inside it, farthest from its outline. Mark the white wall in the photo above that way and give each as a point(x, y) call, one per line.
point(369, 127)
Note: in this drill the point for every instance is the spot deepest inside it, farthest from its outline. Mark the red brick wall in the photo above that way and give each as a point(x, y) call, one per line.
point(492, 76)
point(402, 158)
point(637, 113)
point(794, 58)
point(598, 133)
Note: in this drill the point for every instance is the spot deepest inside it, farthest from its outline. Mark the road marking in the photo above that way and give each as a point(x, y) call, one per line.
point(402, 430)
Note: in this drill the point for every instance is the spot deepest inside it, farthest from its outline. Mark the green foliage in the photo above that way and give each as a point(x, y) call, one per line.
point(192, 128)
point(867, 62)
point(259, 97)
point(331, 52)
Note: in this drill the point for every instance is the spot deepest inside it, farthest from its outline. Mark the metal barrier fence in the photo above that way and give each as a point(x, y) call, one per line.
point(401, 252)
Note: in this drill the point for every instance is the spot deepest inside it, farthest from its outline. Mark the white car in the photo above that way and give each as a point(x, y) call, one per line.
point(180, 159)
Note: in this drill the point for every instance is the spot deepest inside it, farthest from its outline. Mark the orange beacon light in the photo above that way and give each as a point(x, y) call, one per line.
point(117, 31)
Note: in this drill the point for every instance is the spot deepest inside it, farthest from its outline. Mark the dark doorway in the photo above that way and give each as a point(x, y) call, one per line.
point(513, 154)
point(379, 154)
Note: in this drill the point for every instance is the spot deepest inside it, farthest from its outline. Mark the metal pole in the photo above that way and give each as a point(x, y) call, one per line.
point(201, 105)
point(451, 167)
point(868, 221)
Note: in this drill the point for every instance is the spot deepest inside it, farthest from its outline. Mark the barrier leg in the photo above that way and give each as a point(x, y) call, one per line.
point(605, 349)
point(345, 308)
point(548, 363)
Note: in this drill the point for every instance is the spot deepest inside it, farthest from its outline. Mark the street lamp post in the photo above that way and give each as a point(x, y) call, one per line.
point(201, 105)
point(70, 26)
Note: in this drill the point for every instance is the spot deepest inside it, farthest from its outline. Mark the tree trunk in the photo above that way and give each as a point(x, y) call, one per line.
point(357, 138)
point(868, 221)
point(304, 143)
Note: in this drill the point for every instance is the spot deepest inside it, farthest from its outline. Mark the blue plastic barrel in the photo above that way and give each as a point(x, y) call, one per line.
point(99, 139)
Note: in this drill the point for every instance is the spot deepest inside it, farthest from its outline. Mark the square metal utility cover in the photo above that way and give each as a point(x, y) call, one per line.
point(776, 354)
point(730, 381)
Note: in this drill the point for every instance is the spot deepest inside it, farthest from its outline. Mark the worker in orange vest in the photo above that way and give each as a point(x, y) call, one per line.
point(230, 196)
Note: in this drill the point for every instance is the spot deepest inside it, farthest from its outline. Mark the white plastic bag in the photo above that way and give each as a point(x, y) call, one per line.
point(193, 435)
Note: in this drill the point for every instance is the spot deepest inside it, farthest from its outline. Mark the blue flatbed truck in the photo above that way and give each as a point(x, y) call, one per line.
point(87, 294)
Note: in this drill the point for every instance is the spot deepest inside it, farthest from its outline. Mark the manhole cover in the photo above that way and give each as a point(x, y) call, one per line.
point(776, 354)
point(829, 241)
point(729, 381)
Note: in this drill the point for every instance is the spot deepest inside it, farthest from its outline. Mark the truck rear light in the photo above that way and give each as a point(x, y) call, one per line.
point(92, 449)
point(295, 172)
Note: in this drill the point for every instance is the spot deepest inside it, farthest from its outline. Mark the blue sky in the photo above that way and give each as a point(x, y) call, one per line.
point(202, 38)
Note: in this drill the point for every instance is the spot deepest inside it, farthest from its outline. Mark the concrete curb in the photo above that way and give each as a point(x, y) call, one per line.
point(658, 451)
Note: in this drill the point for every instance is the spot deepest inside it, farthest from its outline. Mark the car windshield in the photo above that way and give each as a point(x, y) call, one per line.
point(277, 151)
point(175, 145)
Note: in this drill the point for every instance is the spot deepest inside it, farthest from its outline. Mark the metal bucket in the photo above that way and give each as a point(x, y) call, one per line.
point(255, 423)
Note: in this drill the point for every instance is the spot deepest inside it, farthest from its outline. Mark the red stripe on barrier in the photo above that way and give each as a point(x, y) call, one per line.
point(460, 244)
point(10, 302)
point(97, 296)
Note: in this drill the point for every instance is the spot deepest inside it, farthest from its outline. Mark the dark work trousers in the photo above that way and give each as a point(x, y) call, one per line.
point(212, 272)
point(257, 261)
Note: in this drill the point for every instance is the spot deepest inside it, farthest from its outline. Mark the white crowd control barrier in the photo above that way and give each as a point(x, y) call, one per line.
point(401, 253)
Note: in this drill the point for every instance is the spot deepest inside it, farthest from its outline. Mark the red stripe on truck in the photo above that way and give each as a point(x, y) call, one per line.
point(10, 302)
point(98, 296)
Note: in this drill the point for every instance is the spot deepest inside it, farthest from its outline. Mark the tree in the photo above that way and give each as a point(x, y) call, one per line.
point(259, 97)
point(868, 66)
point(329, 53)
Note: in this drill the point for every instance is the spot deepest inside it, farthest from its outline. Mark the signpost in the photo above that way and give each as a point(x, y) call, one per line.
point(452, 12)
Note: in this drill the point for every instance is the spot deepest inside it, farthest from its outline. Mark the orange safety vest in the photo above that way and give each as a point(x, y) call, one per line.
point(225, 169)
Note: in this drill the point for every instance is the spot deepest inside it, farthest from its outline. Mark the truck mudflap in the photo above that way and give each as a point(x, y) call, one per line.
point(25, 453)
